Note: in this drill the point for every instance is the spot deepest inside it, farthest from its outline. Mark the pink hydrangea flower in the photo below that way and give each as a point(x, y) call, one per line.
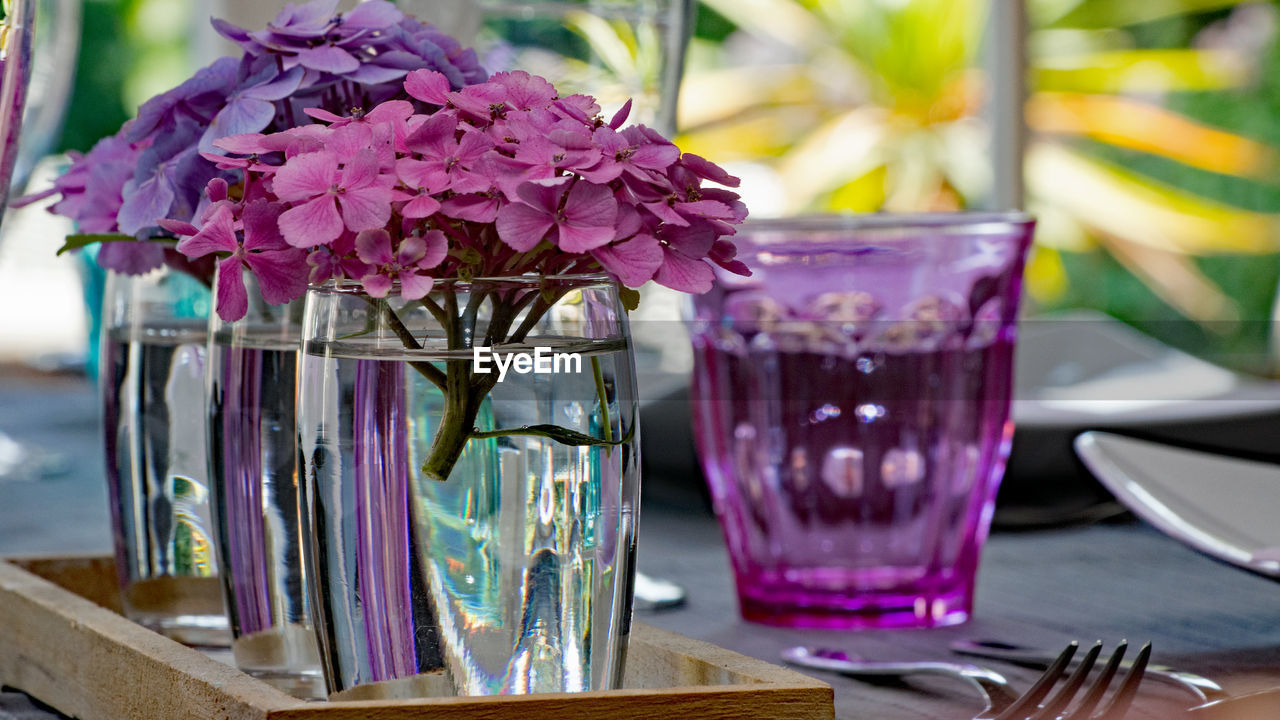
point(279, 268)
point(501, 178)
point(408, 263)
point(581, 216)
point(330, 195)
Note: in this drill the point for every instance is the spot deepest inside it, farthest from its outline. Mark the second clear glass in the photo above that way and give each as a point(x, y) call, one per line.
point(252, 387)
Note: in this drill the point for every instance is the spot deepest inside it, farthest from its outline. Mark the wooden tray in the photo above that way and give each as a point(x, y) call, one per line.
point(61, 642)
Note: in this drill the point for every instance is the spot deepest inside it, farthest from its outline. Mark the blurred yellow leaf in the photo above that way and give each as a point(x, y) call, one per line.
point(765, 132)
point(842, 149)
point(1138, 210)
point(1046, 276)
point(863, 194)
point(719, 95)
point(1142, 126)
point(1141, 71)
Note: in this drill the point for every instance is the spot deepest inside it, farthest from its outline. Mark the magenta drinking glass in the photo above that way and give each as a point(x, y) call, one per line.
point(851, 409)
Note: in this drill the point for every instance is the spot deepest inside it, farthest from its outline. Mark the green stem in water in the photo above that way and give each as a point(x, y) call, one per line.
point(602, 398)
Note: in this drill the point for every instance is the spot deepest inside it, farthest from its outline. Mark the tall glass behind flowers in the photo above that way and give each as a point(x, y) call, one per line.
point(309, 58)
point(17, 21)
point(453, 532)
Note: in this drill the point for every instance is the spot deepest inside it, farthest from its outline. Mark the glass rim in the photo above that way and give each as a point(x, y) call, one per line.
point(349, 286)
point(970, 221)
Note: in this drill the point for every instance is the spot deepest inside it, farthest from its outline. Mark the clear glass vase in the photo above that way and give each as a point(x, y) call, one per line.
point(152, 378)
point(472, 480)
point(254, 485)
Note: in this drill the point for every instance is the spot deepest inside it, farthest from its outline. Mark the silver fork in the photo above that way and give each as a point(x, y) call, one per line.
point(1029, 706)
point(1001, 702)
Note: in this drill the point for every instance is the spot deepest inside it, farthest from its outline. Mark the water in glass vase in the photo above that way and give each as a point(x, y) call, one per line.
point(511, 576)
point(153, 398)
point(253, 437)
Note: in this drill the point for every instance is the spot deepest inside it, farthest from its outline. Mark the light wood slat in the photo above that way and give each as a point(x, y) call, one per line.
point(92, 663)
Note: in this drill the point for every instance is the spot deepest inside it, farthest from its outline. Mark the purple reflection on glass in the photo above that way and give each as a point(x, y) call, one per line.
point(242, 475)
point(382, 517)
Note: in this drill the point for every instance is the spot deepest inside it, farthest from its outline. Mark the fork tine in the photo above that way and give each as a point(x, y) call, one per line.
point(1099, 688)
point(1031, 697)
point(1123, 698)
point(1050, 709)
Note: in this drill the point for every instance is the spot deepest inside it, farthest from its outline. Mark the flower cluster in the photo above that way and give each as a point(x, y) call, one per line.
point(308, 57)
point(501, 178)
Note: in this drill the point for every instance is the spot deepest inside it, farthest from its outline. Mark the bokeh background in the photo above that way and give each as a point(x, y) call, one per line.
point(1152, 159)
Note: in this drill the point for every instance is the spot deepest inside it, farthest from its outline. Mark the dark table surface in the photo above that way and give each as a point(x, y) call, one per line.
point(1107, 581)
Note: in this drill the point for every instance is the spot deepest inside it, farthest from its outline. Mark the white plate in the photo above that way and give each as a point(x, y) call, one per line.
point(1222, 506)
point(1084, 369)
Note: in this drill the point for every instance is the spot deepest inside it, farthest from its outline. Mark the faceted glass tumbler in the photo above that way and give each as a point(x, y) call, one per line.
point(851, 410)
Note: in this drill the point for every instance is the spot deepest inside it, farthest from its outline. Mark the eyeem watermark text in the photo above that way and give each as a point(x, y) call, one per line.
point(541, 361)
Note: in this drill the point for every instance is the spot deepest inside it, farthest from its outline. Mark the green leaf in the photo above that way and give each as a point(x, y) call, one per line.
point(564, 436)
point(467, 255)
point(75, 242)
point(630, 298)
point(1109, 13)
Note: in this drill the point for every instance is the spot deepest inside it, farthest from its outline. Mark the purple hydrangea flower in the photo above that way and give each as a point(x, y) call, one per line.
point(309, 56)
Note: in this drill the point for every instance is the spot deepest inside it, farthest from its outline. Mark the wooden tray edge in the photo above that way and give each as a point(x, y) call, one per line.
point(52, 643)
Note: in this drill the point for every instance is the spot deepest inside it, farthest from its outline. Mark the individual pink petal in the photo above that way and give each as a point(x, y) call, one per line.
point(262, 227)
point(177, 227)
point(578, 238)
point(706, 209)
point(591, 205)
point(281, 274)
point(216, 189)
point(390, 111)
point(233, 299)
point(694, 241)
point(522, 227)
point(244, 144)
point(217, 235)
point(374, 247)
point(313, 223)
point(361, 169)
point(305, 176)
point(437, 249)
point(414, 286)
point(654, 156)
point(543, 197)
point(665, 212)
point(420, 207)
point(428, 86)
point(366, 208)
point(475, 207)
point(685, 274)
point(376, 285)
point(322, 114)
point(633, 262)
point(411, 250)
point(472, 146)
point(418, 174)
point(708, 170)
point(620, 117)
